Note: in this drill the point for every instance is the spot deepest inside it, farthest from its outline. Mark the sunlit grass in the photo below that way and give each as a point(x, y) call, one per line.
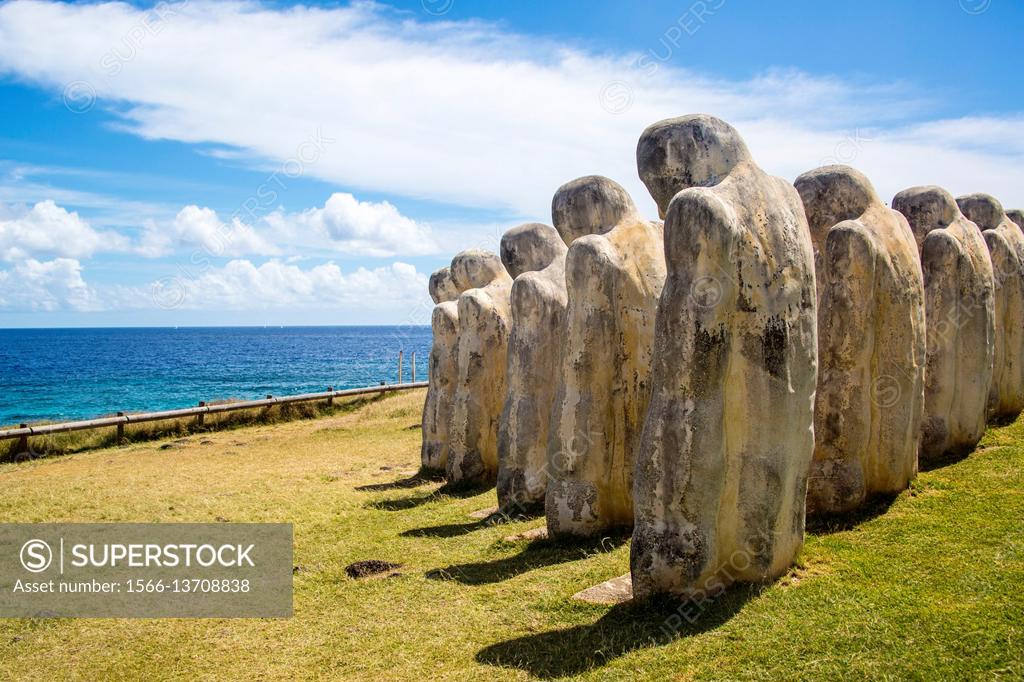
point(930, 586)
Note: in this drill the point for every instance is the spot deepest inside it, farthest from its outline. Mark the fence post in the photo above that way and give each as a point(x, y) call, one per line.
point(120, 429)
point(414, 367)
point(201, 418)
point(330, 398)
point(22, 446)
point(399, 366)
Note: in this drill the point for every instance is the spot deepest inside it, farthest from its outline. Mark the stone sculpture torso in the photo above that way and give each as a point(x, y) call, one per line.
point(534, 255)
point(484, 319)
point(722, 466)
point(1005, 243)
point(443, 372)
point(871, 342)
point(614, 275)
point(960, 320)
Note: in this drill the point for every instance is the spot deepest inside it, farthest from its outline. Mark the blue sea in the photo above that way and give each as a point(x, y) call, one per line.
point(62, 374)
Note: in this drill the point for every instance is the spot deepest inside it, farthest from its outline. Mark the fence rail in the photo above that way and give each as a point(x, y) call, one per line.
point(25, 431)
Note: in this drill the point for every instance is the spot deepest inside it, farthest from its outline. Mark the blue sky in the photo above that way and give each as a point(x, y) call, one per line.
point(247, 163)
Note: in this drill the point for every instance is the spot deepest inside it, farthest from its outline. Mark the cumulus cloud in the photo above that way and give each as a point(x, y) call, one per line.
point(357, 227)
point(48, 229)
point(48, 286)
point(202, 228)
point(467, 113)
point(243, 285)
point(344, 225)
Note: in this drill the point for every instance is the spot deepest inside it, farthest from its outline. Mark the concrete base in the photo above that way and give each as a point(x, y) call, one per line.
point(614, 591)
point(529, 535)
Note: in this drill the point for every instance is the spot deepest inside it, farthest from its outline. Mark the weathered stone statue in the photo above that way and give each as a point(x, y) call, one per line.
point(437, 409)
point(871, 342)
point(534, 254)
point(485, 320)
point(614, 274)
point(960, 320)
point(442, 286)
point(722, 467)
point(1005, 243)
point(1017, 216)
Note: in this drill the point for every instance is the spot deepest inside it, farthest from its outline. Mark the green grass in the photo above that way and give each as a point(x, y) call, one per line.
point(929, 586)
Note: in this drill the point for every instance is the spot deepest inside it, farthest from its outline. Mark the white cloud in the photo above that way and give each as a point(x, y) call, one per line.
point(46, 286)
point(243, 285)
point(466, 112)
point(358, 228)
point(344, 225)
point(48, 229)
point(202, 228)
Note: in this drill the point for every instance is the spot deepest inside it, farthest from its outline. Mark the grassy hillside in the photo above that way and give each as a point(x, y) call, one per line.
point(930, 586)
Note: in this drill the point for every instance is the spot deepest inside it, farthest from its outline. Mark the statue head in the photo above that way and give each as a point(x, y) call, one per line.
point(689, 151)
point(926, 208)
point(832, 194)
point(442, 286)
point(529, 247)
point(590, 205)
point(982, 209)
point(475, 268)
point(1017, 216)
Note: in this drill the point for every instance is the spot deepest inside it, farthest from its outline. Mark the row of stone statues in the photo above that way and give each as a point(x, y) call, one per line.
point(770, 349)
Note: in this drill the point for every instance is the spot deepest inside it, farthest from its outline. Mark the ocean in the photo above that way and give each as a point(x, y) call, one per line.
point(63, 374)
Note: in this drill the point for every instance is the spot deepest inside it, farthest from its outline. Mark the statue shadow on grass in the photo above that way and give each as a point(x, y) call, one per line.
point(452, 530)
point(418, 479)
point(624, 628)
point(873, 507)
point(537, 554)
point(925, 464)
point(403, 503)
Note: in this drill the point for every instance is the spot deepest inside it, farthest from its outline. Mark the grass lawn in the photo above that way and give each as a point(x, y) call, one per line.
point(930, 586)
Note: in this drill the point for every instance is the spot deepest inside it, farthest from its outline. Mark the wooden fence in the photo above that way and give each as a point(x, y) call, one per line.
point(24, 432)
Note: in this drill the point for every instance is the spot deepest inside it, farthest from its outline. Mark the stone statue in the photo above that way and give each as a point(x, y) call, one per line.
point(485, 320)
point(871, 342)
point(442, 286)
point(1005, 243)
point(614, 273)
point(534, 254)
point(1017, 216)
point(443, 373)
point(960, 320)
point(722, 466)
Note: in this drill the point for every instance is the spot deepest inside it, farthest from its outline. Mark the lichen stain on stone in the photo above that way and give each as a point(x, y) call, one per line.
point(774, 345)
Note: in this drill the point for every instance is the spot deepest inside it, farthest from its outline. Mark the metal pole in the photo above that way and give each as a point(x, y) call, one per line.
point(399, 366)
point(414, 367)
